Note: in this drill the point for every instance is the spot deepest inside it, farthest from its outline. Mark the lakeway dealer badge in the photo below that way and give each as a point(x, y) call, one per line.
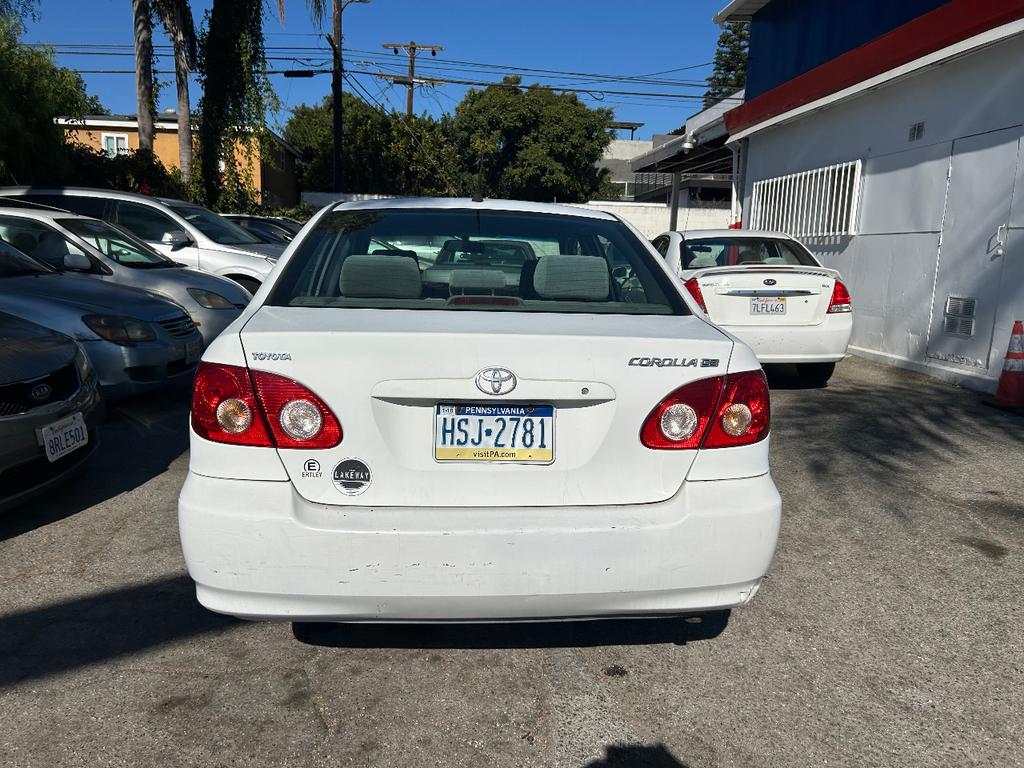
point(351, 477)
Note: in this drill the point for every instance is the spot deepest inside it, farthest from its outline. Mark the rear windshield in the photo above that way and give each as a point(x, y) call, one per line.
point(480, 260)
point(729, 252)
point(215, 227)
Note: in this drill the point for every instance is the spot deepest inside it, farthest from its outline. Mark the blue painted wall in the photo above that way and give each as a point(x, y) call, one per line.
point(790, 37)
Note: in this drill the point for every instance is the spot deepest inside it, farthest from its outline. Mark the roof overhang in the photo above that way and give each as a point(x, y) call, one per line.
point(954, 29)
point(739, 10)
point(701, 149)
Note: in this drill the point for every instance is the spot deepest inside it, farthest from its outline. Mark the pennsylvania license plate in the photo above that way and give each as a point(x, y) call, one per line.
point(763, 306)
point(64, 436)
point(523, 434)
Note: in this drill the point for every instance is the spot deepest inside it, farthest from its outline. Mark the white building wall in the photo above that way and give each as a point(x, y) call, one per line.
point(890, 265)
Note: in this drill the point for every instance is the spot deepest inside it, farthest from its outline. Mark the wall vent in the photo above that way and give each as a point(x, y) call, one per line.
point(959, 315)
point(916, 132)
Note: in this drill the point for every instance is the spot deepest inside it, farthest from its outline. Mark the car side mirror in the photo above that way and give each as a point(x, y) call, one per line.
point(176, 239)
point(77, 262)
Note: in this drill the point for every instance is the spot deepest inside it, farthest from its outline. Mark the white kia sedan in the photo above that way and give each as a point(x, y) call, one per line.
point(767, 289)
point(582, 443)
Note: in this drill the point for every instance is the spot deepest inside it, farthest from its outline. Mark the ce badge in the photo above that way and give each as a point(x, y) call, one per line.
point(351, 477)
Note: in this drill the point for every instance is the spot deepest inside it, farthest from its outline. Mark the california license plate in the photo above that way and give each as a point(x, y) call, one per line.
point(62, 437)
point(523, 434)
point(764, 306)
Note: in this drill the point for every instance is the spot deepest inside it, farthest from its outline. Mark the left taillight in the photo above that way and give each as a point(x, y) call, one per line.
point(693, 287)
point(232, 405)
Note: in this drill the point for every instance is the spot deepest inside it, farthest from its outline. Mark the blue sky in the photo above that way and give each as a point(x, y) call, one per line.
point(607, 37)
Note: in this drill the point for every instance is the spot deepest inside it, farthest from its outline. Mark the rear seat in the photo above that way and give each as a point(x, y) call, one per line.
point(380, 277)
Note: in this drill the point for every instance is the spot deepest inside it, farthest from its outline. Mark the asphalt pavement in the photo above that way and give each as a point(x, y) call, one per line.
point(889, 632)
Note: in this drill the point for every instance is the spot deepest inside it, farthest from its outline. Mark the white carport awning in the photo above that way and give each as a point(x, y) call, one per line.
point(739, 10)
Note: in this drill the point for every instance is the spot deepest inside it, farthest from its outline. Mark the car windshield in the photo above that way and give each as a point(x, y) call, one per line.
point(13, 263)
point(482, 260)
point(215, 227)
point(703, 253)
point(116, 244)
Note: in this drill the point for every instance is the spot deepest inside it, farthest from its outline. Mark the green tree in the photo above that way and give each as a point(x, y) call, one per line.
point(33, 91)
point(236, 99)
point(530, 143)
point(366, 163)
point(729, 70)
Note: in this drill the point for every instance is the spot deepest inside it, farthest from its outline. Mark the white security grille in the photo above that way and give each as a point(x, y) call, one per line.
point(817, 203)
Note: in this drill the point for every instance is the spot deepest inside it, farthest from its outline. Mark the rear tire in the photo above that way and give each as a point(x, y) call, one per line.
point(816, 374)
point(248, 283)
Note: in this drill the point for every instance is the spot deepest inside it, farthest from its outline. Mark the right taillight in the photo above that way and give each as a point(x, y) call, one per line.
point(694, 288)
point(840, 301)
point(719, 412)
point(231, 404)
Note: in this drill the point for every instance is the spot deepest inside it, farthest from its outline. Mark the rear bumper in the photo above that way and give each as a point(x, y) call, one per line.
point(257, 550)
point(824, 343)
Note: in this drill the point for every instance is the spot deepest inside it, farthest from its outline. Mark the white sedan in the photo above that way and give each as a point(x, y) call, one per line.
point(767, 289)
point(581, 444)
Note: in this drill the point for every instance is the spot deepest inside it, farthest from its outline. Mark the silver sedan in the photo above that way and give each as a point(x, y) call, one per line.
point(102, 251)
point(136, 341)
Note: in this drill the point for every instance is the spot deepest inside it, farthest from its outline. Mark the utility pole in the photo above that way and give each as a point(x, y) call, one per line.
point(411, 49)
point(337, 107)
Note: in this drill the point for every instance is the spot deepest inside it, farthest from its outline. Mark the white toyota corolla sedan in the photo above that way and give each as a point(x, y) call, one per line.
point(767, 289)
point(578, 442)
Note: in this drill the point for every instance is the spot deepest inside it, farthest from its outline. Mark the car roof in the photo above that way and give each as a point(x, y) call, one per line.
point(736, 234)
point(45, 215)
point(112, 194)
point(454, 203)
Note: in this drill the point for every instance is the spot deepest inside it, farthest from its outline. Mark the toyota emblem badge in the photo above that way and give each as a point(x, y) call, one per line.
point(496, 381)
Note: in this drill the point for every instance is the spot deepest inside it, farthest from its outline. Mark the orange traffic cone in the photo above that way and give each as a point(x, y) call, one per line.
point(1010, 393)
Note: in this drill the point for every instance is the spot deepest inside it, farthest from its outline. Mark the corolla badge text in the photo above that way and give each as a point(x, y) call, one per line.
point(673, 362)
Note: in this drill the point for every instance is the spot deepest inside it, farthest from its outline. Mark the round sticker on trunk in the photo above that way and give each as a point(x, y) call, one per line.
point(351, 477)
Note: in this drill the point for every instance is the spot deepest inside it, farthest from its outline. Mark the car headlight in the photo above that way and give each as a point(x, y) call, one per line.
point(119, 329)
point(209, 299)
point(82, 364)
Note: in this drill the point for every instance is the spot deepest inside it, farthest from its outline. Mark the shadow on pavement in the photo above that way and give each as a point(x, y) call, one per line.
point(57, 638)
point(555, 634)
point(139, 440)
point(637, 756)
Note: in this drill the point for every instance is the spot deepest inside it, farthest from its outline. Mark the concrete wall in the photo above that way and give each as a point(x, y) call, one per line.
point(891, 265)
point(653, 218)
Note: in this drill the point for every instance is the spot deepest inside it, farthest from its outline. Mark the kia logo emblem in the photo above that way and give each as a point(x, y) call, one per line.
point(769, 281)
point(496, 381)
point(41, 392)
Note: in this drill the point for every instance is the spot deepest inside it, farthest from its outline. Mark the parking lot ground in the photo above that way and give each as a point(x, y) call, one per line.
point(889, 632)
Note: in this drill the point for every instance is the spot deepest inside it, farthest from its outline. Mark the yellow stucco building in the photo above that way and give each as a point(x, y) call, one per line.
point(274, 175)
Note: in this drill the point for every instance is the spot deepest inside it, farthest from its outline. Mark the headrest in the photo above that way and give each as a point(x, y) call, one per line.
point(581, 278)
point(380, 277)
point(703, 261)
point(476, 281)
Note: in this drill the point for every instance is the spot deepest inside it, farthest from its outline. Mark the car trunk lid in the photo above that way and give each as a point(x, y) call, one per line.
point(766, 295)
point(383, 372)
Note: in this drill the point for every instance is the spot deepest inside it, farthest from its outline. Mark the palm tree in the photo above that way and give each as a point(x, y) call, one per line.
point(176, 17)
point(142, 17)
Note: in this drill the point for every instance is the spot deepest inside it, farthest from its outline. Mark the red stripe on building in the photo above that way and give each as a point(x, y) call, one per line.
point(951, 23)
